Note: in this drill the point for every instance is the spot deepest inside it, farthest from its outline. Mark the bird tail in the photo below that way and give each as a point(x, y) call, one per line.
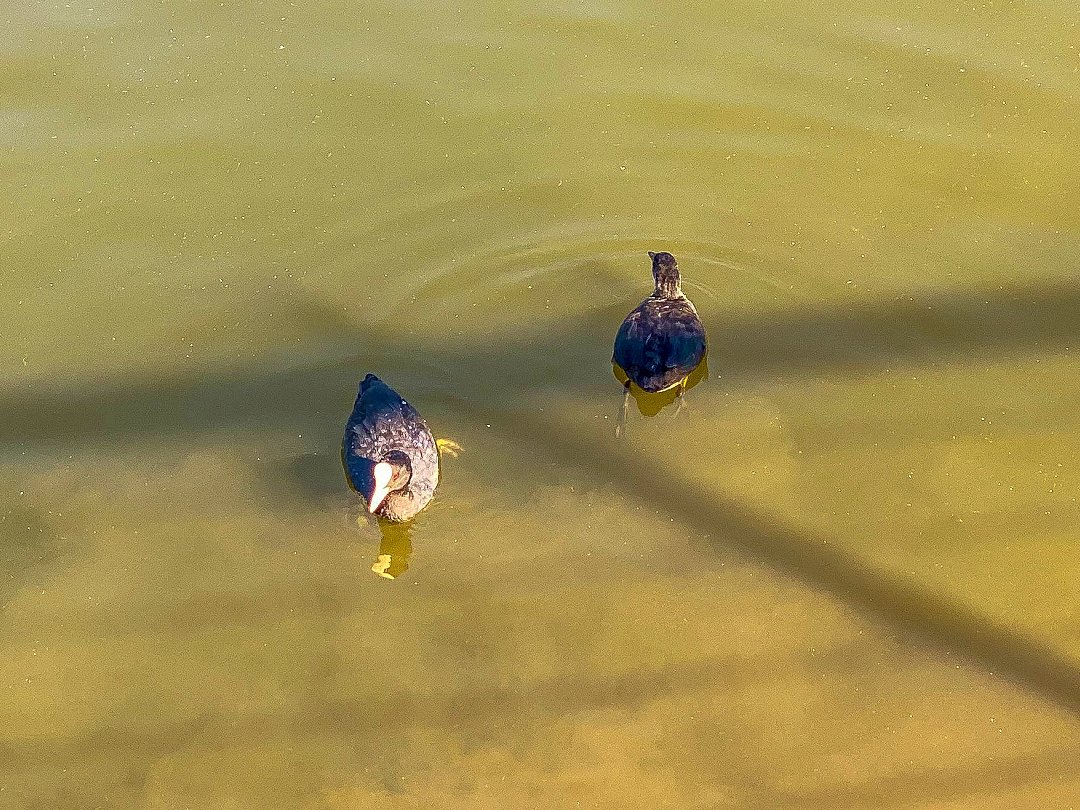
point(663, 381)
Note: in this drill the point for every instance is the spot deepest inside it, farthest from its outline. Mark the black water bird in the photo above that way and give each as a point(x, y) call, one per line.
point(391, 457)
point(662, 340)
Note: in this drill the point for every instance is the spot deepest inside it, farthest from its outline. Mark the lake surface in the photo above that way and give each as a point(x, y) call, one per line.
point(845, 576)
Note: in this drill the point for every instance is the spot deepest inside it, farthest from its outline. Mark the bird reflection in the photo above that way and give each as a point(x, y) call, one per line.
point(395, 548)
point(651, 404)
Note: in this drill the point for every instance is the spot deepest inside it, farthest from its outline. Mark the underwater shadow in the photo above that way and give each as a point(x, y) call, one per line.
point(33, 547)
point(987, 778)
point(370, 724)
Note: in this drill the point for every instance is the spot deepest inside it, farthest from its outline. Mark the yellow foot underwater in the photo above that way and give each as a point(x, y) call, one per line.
point(449, 447)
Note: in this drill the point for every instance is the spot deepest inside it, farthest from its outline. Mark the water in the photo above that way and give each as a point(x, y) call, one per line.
point(844, 577)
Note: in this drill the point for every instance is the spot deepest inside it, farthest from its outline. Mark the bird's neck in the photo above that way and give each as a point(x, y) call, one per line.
point(668, 289)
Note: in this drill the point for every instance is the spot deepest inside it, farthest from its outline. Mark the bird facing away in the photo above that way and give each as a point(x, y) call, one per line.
point(389, 453)
point(661, 341)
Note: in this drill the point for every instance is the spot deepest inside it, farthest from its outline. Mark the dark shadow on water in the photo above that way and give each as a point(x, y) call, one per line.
point(276, 392)
point(32, 548)
point(315, 478)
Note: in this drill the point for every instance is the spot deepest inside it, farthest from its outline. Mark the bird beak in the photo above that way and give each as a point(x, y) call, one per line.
point(652, 255)
point(377, 497)
point(382, 473)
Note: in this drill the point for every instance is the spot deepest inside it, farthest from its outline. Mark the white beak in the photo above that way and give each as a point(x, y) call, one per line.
point(382, 473)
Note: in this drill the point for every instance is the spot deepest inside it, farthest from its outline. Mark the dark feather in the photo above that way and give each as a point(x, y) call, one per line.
point(660, 342)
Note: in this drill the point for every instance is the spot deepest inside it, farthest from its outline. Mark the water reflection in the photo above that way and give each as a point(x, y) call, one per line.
point(395, 548)
point(651, 404)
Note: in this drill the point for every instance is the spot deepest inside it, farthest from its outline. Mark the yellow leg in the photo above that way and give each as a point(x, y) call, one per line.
point(449, 447)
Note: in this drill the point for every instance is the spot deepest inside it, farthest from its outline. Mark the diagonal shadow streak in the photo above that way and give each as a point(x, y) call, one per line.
point(259, 398)
point(815, 561)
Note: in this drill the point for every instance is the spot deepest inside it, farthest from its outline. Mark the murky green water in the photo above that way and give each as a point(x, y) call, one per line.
point(845, 577)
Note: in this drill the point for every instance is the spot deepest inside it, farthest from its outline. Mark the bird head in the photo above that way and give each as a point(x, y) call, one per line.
point(665, 272)
point(390, 474)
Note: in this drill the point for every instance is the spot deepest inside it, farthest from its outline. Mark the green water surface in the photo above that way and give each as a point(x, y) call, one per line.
point(845, 576)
